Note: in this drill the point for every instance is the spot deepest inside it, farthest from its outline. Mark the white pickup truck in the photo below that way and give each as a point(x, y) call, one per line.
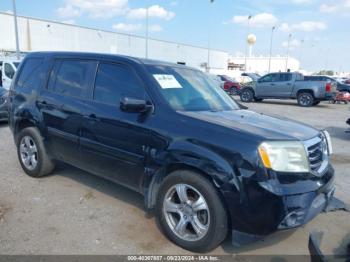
point(8, 68)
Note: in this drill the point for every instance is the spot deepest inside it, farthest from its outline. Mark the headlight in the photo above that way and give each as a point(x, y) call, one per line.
point(287, 156)
point(329, 142)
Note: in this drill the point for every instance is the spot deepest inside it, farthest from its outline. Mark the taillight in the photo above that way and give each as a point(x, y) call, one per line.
point(328, 87)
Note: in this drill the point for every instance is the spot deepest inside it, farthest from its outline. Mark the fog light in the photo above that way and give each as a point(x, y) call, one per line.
point(293, 219)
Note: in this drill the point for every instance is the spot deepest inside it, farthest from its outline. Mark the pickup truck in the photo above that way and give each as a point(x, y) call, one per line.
point(289, 86)
point(341, 86)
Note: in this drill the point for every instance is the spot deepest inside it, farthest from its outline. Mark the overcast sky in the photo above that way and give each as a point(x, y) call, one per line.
point(320, 28)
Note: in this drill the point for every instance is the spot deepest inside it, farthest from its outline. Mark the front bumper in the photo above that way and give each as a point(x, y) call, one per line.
point(258, 211)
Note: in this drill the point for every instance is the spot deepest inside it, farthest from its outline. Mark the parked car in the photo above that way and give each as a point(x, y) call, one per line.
point(341, 86)
point(231, 86)
point(217, 80)
point(3, 104)
point(8, 67)
point(289, 86)
point(207, 167)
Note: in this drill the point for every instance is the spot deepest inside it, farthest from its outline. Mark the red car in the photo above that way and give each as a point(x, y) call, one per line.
point(231, 86)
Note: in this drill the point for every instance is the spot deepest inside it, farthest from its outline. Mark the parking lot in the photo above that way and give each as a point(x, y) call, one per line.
point(73, 212)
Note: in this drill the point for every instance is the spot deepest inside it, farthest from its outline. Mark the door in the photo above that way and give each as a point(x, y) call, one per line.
point(266, 86)
point(113, 141)
point(8, 73)
point(285, 85)
point(62, 103)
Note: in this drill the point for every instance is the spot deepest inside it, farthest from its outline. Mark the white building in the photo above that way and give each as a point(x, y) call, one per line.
point(43, 35)
point(260, 65)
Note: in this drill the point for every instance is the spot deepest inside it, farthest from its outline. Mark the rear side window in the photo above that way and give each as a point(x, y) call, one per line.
point(113, 82)
point(32, 74)
point(71, 77)
point(285, 77)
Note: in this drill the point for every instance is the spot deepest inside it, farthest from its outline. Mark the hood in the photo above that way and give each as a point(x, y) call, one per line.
point(267, 127)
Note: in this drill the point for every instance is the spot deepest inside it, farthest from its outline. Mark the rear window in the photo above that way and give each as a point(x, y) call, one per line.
point(71, 77)
point(32, 74)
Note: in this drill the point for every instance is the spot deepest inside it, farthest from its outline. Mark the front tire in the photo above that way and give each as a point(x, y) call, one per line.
point(306, 99)
point(32, 153)
point(190, 212)
point(247, 95)
point(233, 91)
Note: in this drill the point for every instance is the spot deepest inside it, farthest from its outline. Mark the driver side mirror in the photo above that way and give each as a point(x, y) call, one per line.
point(133, 105)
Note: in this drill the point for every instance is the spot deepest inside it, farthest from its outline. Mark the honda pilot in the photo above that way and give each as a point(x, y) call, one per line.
point(206, 167)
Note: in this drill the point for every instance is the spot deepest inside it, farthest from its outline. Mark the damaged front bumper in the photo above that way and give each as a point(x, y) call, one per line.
point(263, 210)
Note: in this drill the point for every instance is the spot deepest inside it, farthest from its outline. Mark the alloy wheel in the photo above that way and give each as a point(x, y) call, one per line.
point(186, 212)
point(29, 153)
point(305, 100)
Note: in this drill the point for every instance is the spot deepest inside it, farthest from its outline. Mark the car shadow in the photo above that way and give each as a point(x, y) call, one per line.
point(100, 184)
point(264, 242)
point(344, 248)
point(289, 103)
point(338, 132)
point(3, 124)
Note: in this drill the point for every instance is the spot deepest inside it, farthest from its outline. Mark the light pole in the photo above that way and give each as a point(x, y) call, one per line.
point(208, 58)
point(301, 51)
point(147, 30)
point(16, 28)
point(272, 30)
point(246, 45)
point(289, 38)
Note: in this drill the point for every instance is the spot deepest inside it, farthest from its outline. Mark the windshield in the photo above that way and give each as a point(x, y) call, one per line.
point(187, 89)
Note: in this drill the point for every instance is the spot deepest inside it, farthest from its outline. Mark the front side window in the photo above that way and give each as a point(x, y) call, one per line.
point(71, 77)
point(270, 78)
point(187, 89)
point(9, 71)
point(114, 82)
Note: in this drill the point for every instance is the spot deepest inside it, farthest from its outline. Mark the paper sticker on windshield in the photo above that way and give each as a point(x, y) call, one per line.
point(167, 81)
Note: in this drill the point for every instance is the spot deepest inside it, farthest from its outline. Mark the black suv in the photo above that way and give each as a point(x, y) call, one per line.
point(167, 131)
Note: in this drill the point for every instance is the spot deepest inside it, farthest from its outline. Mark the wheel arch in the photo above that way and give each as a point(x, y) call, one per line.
point(154, 186)
point(310, 91)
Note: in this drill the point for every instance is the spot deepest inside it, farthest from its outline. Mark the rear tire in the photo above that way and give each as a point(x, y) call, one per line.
point(247, 95)
point(305, 99)
point(32, 153)
point(205, 227)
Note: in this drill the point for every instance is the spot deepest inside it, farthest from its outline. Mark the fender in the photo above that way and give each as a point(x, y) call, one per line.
point(26, 116)
point(222, 168)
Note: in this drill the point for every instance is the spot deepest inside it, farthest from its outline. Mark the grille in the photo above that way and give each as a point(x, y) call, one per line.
point(317, 154)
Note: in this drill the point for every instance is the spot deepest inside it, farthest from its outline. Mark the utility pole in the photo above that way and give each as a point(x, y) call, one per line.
point(301, 51)
point(289, 38)
point(209, 33)
point(16, 28)
point(272, 30)
point(147, 30)
point(246, 44)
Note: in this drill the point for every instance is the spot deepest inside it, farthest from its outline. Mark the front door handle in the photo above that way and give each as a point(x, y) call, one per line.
point(92, 118)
